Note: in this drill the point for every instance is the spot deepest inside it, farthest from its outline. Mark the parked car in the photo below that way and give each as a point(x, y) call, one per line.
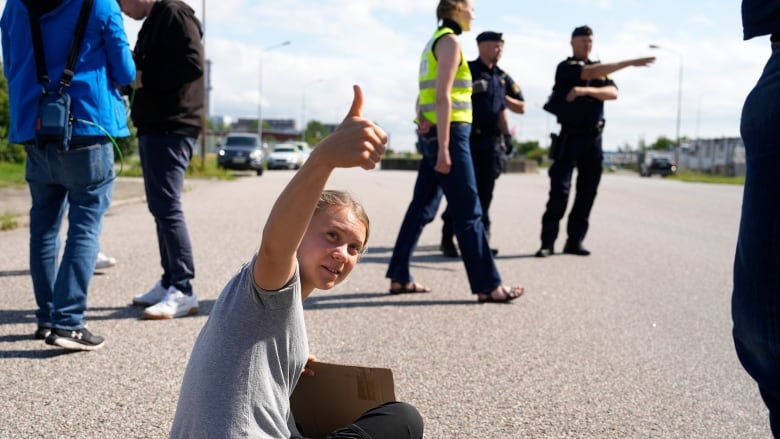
point(287, 156)
point(658, 166)
point(242, 151)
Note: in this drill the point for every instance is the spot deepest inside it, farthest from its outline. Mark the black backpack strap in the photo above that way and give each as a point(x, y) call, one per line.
point(75, 45)
point(40, 58)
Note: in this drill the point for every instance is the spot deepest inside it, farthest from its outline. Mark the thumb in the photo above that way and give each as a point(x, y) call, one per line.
point(357, 103)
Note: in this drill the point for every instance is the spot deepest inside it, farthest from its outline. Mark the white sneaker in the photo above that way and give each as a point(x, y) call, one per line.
point(155, 295)
point(174, 304)
point(104, 261)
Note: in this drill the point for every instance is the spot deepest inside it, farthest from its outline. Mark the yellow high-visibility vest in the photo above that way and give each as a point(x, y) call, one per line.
point(461, 87)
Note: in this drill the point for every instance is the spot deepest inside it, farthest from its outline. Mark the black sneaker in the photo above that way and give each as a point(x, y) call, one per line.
point(544, 252)
point(42, 332)
point(78, 340)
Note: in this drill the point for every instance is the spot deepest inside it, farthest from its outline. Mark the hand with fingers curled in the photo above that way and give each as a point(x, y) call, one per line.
point(355, 142)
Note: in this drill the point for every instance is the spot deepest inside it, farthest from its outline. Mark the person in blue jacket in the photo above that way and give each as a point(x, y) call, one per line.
point(78, 180)
point(755, 301)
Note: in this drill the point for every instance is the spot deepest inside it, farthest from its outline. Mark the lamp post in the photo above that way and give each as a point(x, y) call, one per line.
point(679, 99)
point(260, 90)
point(204, 123)
point(303, 107)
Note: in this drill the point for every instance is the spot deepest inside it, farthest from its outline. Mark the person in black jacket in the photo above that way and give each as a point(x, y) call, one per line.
point(581, 87)
point(167, 109)
point(755, 300)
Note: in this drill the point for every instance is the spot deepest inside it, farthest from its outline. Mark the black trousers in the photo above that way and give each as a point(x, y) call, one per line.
point(583, 152)
point(486, 154)
point(392, 420)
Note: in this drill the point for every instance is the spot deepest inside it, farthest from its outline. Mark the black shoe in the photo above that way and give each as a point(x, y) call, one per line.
point(79, 340)
point(449, 250)
point(544, 252)
point(42, 332)
point(576, 249)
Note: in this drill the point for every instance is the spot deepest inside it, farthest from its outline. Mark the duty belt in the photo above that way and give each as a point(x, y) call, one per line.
point(485, 133)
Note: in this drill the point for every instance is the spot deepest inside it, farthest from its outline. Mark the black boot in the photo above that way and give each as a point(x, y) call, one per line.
point(573, 248)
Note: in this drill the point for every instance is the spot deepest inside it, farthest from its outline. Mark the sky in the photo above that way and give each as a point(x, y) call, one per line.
point(377, 45)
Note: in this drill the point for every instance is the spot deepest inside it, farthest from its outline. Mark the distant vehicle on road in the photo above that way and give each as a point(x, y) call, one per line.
point(289, 155)
point(242, 151)
point(658, 166)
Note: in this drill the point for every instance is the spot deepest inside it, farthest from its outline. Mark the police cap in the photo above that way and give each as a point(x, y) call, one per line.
point(490, 36)
point(582, 31)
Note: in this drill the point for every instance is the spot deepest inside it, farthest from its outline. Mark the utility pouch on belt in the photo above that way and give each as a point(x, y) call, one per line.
point(54, 120)
point(555, 141)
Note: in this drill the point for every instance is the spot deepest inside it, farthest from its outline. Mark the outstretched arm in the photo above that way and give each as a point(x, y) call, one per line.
point(598, 70)
point(356, 142)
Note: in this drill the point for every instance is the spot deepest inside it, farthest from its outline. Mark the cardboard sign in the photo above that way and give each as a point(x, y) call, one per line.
point(337, 395)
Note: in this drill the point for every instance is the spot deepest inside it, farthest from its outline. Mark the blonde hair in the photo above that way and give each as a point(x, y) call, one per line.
point(338, 199)
point(446, 8)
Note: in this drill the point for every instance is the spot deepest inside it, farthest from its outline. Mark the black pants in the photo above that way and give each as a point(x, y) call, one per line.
point(582, 151)
point(486, 154)
point(392, 420)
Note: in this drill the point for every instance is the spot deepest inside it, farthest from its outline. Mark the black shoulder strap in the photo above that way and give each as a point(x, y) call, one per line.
point(40, 58)
point(75, 45)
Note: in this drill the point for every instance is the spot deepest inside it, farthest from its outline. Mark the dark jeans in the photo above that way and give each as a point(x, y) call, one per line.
point(755, 303)
point(164, 159)
point(485, 153)
point(393, 420)
point(79, 181)
point(461, 191)
point(582, 151)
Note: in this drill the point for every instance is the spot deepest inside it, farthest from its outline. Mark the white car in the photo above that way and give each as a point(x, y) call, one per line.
point(287, 156)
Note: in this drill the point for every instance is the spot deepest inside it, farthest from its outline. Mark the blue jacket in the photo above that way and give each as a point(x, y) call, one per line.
point(105, 62)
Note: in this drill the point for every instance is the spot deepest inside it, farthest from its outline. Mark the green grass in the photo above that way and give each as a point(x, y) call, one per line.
point(700, 177)
point(8, 221)
point(132, 168)
point(12, 175)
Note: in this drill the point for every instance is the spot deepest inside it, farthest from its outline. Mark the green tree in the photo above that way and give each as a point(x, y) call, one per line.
point(4, 110)
point(662, 144)
point(315, 131)
point(8, 152)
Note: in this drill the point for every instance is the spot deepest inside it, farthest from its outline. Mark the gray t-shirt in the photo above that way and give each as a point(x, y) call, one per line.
point(245, 364)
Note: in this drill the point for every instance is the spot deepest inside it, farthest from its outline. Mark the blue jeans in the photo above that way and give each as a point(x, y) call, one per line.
point(755, 303)
point(460, 188)
point(81, 181)
point(164, 160)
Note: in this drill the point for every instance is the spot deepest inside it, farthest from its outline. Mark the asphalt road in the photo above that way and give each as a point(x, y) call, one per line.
point(631, 342)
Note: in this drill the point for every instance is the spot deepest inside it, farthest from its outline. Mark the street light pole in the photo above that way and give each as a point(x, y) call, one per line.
point(303, 107)
point(260, 90)
point(204, 123)
point(679, 99)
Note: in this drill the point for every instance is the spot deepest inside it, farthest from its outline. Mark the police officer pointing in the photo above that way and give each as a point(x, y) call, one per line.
point(581, 87)
point(493, 93)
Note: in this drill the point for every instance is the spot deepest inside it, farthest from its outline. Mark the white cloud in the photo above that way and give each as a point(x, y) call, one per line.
point(377, 44)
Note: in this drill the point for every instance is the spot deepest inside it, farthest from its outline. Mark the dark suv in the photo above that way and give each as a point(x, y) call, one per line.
point(242, 151)
point(658, 166)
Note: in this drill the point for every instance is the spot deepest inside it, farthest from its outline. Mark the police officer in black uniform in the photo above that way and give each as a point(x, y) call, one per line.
point(493, 92)
point(581, 87)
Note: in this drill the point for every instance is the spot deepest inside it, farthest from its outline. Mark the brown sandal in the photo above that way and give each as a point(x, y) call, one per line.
point(408, 288)
point(510, 294)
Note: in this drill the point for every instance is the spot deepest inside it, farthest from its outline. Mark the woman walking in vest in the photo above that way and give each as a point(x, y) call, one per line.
point(444, 116)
